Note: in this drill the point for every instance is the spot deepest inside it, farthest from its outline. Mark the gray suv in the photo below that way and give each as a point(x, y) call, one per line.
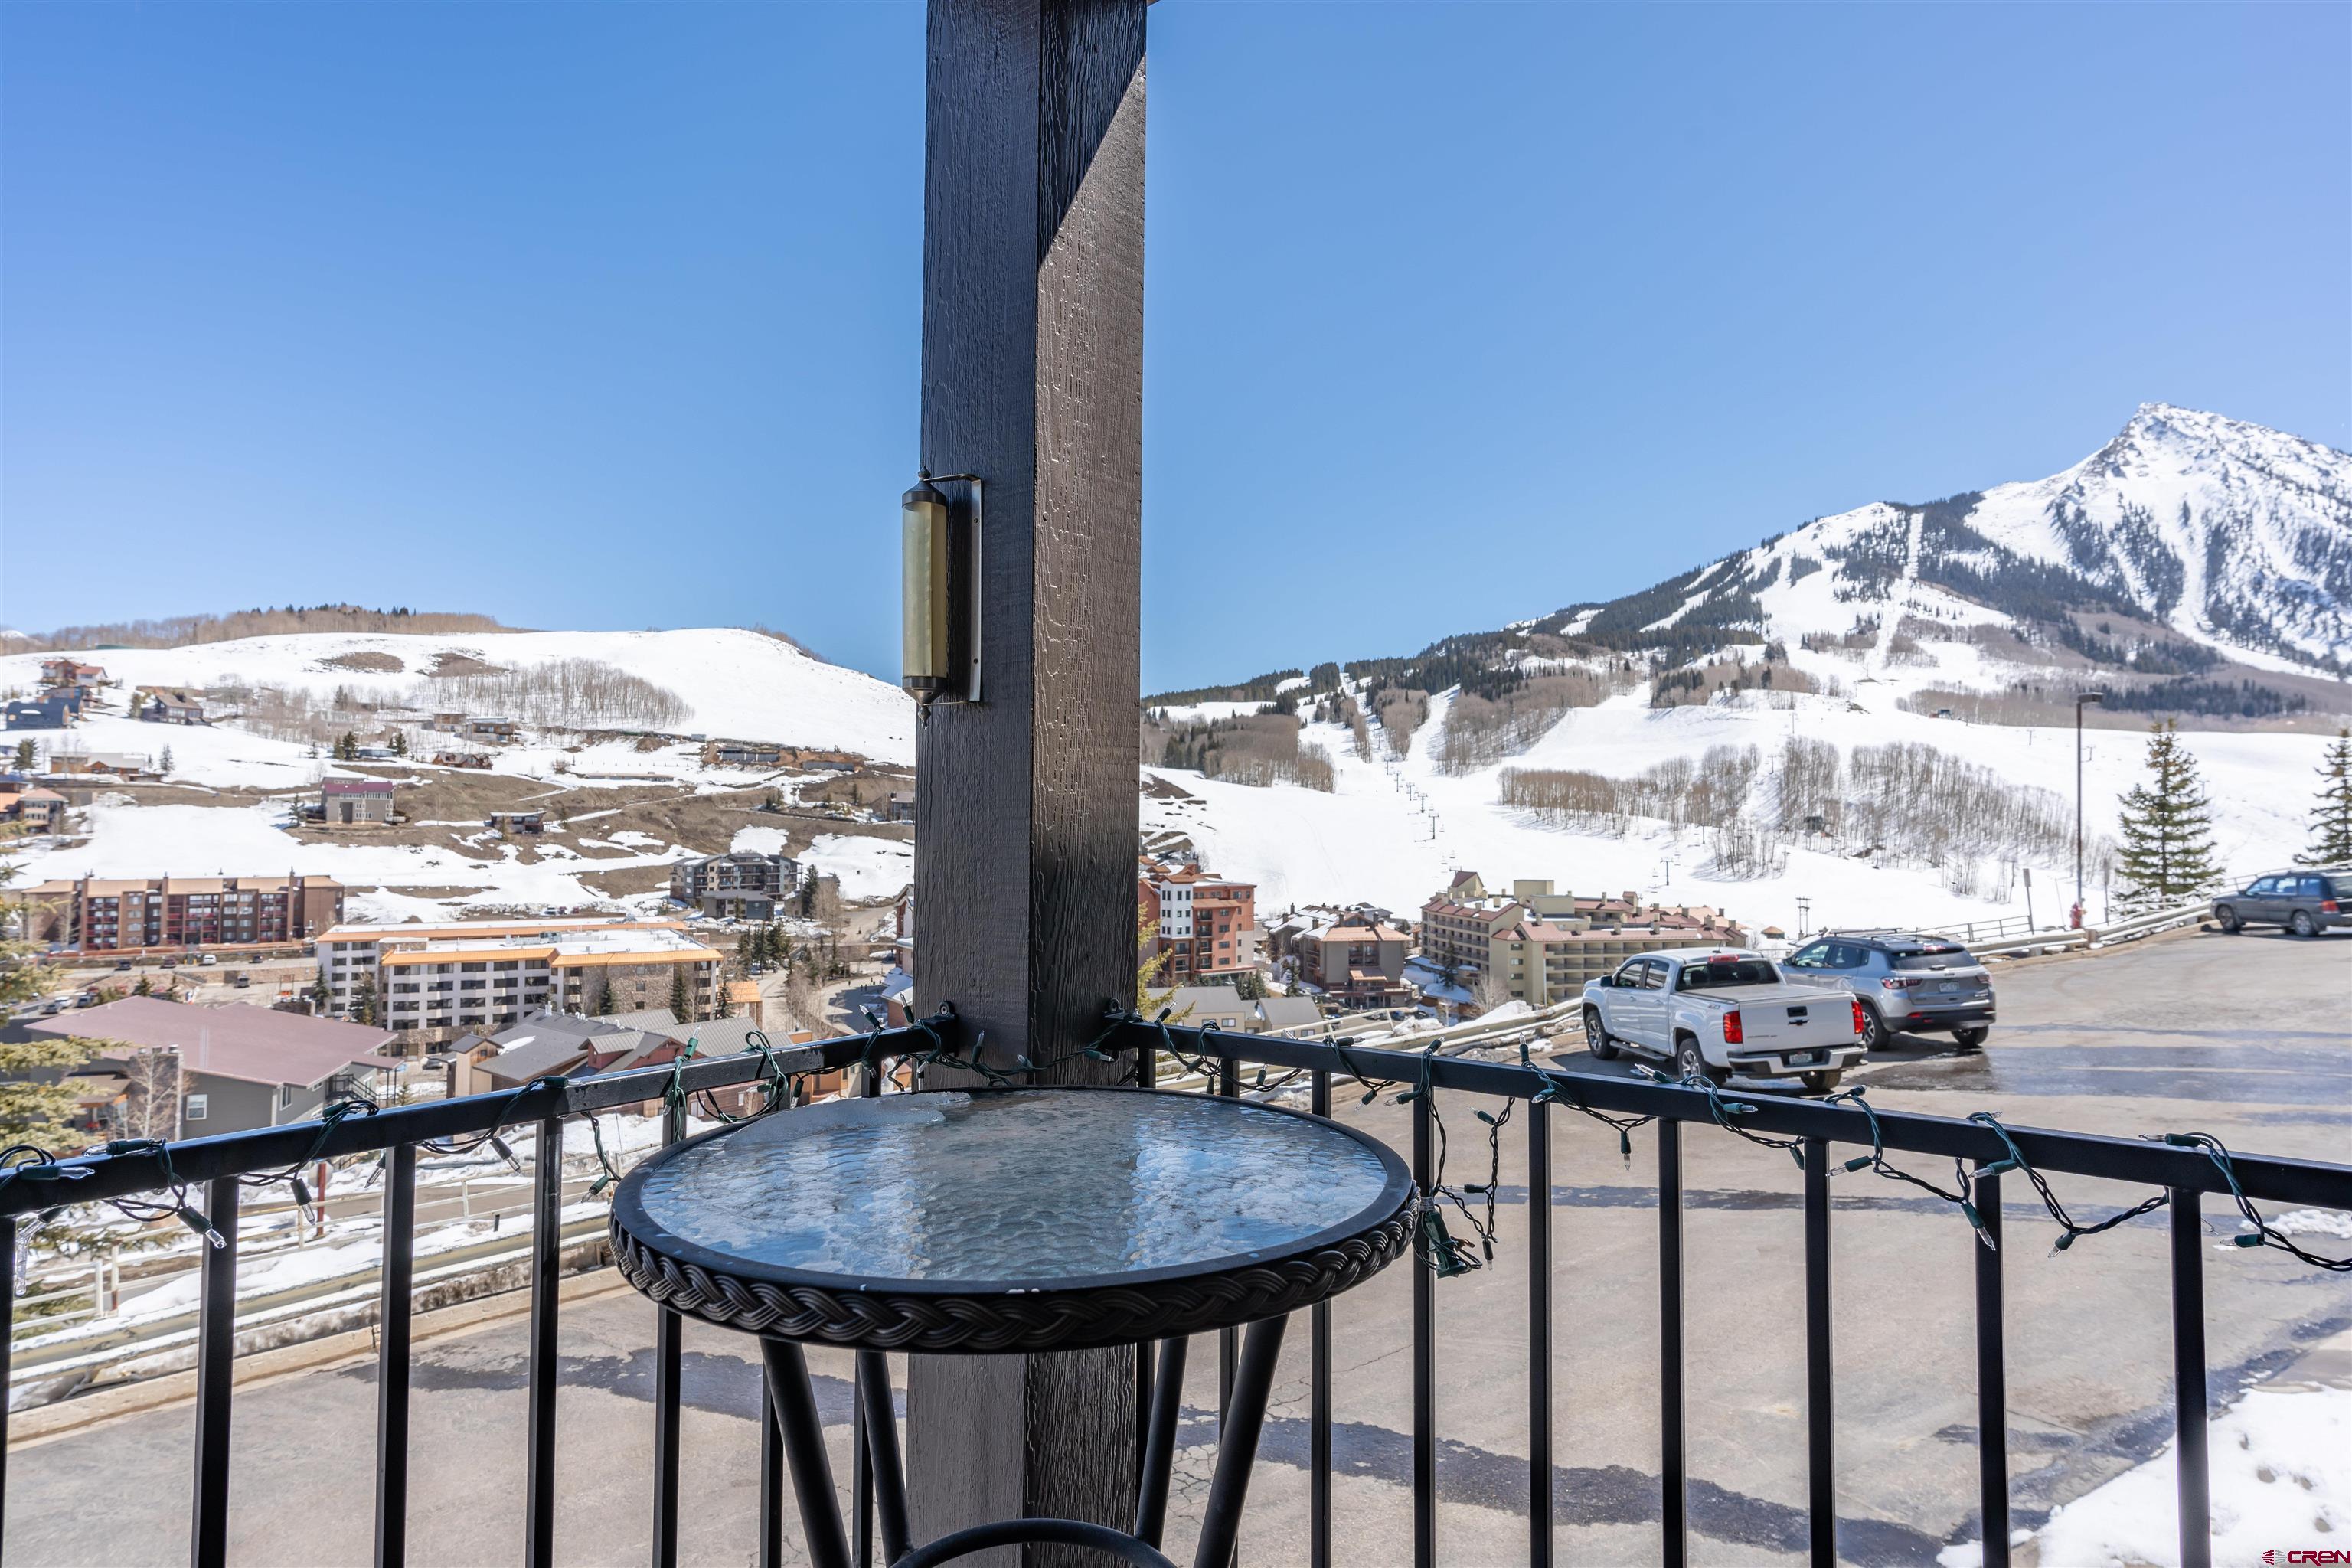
point(1907, 982)
point(2305, 903)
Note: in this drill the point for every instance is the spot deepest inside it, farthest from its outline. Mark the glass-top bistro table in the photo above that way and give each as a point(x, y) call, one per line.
point(1010, 1220)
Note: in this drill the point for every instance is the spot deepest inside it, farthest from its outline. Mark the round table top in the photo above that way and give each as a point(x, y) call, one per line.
point(1009, 1197)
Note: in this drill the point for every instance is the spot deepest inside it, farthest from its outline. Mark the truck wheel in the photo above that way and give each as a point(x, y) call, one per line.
point(2303, 924)
point(1596, 1037)
point(1970, 1040)
point(1822, 1082)
point(2228, 920)
point(1873, 1029)
point(1689, 1059)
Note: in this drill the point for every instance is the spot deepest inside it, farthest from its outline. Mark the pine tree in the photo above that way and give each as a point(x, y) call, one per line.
point(681, 995)
point(26, 754)
point(2331, 819)
point(2168, 822)
point(363, 1001)
point(605, 1003)
point(32, 1112)
point(400, 742)
point(166, 768)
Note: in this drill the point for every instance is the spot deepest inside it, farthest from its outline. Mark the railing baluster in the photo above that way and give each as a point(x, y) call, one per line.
point(1425, 1360)
point(216, 1378)
point(669, 1354)
point(1318, 1382)
point(1539, 1335)
point(392, 1340)
point(8, 1348)
point(546, 1266)
point(1992, 1377)
point(1674, 1484)
point(2189, 1378)
point(1821, 1418)
point(861, 1458)
point(1229, 1341)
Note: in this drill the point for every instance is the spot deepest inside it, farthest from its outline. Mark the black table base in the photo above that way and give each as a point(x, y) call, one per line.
point(828, 1542)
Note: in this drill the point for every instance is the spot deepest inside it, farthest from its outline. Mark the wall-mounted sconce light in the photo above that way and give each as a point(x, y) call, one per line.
point(941, 591)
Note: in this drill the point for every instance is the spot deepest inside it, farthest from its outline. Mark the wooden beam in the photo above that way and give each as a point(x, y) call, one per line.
point(1025, 851)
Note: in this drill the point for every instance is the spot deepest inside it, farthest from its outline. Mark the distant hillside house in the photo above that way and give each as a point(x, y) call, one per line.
point(461, 759)
point(742, 885)
point(902, 805)
point(170, 705)
point(65, 672)
point(448, 723)
point(355, 802)
point(34, 810)
point(744, 754)
point(55, 712)
point(109, 914)
point(511, 823)
point(472, 973)
point(499, 732)
point(102, 765)
point(241, 1067)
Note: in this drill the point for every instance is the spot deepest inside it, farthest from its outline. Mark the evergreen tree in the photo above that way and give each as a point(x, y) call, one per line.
point(681, 995)
point(2168, 822)
point(606, 1005)
point(32, 1112)
point(2331, 819)
point(363, 1001)
point(26, 754)
point(143, 987)
point(166, 768)
point(322, 999)
point(400, 742)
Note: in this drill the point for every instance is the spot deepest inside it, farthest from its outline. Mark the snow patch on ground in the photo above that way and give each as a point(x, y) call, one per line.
point(2282, 1477)
point(869, 867)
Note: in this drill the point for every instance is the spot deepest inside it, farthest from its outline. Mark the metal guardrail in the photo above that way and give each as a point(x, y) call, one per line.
point(2183, 1174)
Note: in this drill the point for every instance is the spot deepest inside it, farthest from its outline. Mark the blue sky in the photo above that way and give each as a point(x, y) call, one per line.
point(606, 316)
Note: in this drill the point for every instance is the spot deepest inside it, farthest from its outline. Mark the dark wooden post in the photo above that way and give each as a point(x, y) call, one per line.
point(1024, 851)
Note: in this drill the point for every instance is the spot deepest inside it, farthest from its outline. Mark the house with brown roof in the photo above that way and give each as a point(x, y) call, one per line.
point(241, 1067)
point(168, 705)
point(67, 672)
point(1357, 963)
point(38, 810)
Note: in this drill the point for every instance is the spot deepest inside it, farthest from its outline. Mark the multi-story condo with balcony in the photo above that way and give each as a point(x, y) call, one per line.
point(487, 974)
point(1539, 946)
point(1207, 925)
point(97, 914)
point(740, 885)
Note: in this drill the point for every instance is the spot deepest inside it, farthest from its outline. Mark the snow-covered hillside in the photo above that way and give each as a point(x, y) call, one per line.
point(732, 683)
point(1392, 830)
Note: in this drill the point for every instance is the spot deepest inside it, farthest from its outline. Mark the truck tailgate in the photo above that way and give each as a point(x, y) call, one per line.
point(1791, 1018)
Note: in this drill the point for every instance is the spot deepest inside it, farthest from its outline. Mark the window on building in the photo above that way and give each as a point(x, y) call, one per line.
point(198, 1105)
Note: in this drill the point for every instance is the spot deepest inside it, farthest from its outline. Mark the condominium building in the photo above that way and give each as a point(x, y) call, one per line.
point(1541, 946)
point(1357, 963)
point(476, 974)
point(742, 885)
point(96, 914)
point(1207, 925)
point(355, 803)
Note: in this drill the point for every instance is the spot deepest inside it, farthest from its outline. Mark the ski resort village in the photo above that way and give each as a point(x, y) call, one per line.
point(1999, 787)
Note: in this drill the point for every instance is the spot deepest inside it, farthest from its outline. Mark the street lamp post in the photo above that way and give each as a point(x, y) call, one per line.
point(2081, 701)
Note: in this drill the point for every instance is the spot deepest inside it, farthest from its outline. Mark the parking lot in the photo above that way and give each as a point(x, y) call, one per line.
point(2241, 1037)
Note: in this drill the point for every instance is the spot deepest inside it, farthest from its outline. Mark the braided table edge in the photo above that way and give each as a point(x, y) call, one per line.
point(1002, 1323)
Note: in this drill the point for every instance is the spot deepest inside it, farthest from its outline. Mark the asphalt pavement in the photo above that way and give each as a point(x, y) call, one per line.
point(2241, 1037)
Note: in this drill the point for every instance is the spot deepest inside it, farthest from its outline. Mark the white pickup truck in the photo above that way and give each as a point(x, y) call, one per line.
point(1720, 1011)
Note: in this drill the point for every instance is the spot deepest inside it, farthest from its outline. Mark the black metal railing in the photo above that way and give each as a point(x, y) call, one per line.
point(224, 1164)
